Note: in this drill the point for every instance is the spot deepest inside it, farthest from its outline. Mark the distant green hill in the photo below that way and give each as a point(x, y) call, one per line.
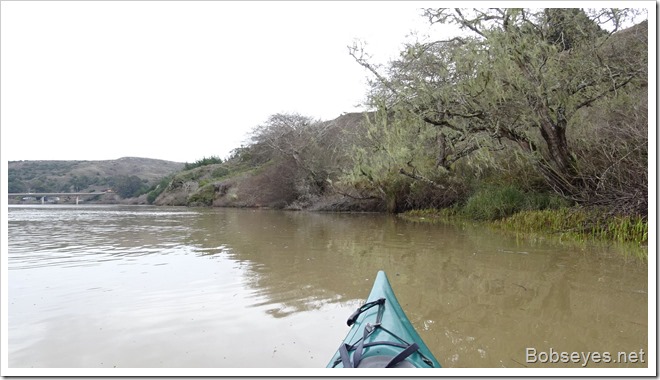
point(127, 176)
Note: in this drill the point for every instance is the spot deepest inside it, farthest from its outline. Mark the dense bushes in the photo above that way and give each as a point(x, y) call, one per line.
point(203, 196)
point(570, 113)
point(203, 162)
point(491, 203)
point(157, 189)
point(129, 186)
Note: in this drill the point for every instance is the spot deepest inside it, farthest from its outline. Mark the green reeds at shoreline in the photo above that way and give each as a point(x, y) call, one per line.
point(578, 224)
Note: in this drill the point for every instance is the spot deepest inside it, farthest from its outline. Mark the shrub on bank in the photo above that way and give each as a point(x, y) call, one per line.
point(203, 162)
point(156, 190)
point(497, 202)
point(202, 197)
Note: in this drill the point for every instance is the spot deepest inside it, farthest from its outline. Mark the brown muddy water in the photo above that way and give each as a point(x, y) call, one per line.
point(163, 287)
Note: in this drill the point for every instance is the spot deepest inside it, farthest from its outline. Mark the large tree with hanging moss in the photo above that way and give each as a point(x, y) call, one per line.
point(517, 79)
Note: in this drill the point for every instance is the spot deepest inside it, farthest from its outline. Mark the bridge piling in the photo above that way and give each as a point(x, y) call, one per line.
point(43, 196)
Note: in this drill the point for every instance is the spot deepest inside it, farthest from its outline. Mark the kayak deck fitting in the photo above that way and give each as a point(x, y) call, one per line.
point(381, 335)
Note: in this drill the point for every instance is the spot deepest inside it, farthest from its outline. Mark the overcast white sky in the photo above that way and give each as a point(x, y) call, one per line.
point(180, 80)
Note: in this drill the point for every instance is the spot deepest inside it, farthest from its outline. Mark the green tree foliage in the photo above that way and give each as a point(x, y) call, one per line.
point(79, 183)
point(203, 162)
point(16, 186)
point(157, 189)
point(516, 82)
point(129, 186)
point(14, 182)
point(569, 28)
point(392, 157)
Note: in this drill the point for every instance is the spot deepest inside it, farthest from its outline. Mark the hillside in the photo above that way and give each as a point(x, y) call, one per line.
point(87, 176)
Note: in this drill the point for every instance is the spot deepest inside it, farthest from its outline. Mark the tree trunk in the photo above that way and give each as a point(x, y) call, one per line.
point(558, 148)
point(562, 172)
point(442, 151)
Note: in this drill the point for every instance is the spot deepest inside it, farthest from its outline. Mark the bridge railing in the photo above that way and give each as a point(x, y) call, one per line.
point(43, 196)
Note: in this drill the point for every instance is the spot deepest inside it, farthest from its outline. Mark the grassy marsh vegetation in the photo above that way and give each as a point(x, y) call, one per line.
point(575, 225)
point(580, 224)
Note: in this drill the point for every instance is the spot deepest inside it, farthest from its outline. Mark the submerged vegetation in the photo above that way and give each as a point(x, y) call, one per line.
point(580, 223)
point(573, 226)
point(574, 223)
point(533, 119)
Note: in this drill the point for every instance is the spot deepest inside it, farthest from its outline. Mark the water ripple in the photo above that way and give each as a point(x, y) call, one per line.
point(42, 236)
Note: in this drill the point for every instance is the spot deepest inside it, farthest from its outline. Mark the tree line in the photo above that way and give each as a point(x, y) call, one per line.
point(550, 101)
point(124, 185)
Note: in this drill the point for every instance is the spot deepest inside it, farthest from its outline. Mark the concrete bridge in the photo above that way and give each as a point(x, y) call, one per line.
point(43, 196)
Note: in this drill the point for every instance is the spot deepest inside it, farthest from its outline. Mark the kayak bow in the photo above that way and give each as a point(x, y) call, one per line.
point(381, 336)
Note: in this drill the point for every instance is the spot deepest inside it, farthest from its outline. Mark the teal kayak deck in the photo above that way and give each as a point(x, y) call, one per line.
point(381, 334)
